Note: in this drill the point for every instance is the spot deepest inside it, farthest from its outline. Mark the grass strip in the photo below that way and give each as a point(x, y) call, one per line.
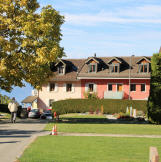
point(89, 149)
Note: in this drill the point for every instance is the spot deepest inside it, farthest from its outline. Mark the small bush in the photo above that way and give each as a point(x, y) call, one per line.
point(4, 108)
point(89, 95)
point(110, 106)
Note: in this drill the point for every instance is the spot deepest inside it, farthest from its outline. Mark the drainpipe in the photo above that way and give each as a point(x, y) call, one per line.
point(130, 74)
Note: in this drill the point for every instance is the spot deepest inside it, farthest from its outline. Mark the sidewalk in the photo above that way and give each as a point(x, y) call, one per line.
point(14, 138)
point(108, 135)
point(98, 134)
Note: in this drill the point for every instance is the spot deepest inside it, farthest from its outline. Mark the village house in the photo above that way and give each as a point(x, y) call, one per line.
point(108, 77)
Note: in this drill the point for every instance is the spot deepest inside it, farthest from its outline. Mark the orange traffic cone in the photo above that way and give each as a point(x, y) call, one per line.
point(54, 130)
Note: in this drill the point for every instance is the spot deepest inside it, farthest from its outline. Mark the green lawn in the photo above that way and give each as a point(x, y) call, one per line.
point(139, 129)
point(89, 149)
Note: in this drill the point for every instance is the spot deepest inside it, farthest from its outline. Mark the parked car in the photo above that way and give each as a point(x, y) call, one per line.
point(34, 113)
point(47, 115)
point(24, 113)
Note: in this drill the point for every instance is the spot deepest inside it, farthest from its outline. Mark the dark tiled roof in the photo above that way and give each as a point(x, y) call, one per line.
point(73, 66)
point(78, 68)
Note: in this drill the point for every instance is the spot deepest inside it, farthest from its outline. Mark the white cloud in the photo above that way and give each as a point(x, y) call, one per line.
point(144, 14)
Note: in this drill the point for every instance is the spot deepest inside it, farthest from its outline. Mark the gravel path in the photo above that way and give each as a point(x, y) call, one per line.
point(108, 135)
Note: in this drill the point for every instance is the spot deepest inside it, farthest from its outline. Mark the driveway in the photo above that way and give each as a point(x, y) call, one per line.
point(14, 138)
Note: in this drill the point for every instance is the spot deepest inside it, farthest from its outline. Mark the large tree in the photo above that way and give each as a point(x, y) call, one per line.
point(29, 42)
point(154, 101)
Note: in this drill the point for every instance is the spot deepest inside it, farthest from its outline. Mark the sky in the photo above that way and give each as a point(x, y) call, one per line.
point(107, 28)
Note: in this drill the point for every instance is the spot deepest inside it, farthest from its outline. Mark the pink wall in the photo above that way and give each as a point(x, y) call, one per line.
point(102, 87)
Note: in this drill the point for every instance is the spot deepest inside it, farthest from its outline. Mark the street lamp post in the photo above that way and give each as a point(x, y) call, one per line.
point(130, 75)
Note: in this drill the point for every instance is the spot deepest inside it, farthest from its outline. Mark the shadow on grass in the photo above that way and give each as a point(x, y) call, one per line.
point(99, 121)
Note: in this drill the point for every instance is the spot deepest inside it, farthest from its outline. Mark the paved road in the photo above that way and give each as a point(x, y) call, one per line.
point(14, 138)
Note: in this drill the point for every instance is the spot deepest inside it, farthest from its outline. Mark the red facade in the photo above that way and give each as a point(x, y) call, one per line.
point(140, 90)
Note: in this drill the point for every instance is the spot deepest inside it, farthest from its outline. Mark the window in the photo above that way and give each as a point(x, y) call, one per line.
point(92, 68)
point(119, 87)
point(144, 68)
point(133, 87)
point(68, 87)
point(114, 68)
point(61, 70)
point(109, 87)
point(50, 102)
point(91, 87)
point(52, 86)
point(143, 87)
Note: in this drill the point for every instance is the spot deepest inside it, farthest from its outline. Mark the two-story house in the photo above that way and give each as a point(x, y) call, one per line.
point(109, 77)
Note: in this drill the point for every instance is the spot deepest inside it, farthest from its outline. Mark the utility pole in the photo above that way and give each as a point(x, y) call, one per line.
point(130, 75)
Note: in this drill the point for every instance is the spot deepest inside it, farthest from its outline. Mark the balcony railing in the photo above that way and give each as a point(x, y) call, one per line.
point(113, 95)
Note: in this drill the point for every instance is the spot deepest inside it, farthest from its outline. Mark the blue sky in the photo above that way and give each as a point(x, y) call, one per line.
point(107, 28)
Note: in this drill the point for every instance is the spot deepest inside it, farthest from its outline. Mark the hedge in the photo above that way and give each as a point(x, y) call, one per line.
point(4, 108)
point(110, 106)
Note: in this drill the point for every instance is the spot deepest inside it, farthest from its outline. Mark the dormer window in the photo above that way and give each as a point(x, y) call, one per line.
point(144, 65)
point(92, 64)
point(61, 67)
point(61, 70)
point(92, 68)
point(114, 65)
point(144, 68)
point(114, 68)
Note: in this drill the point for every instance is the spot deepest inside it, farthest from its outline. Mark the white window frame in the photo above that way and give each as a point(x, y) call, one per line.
point(117, 87)
point(63, 70)
point(135, 87)
point(108, 87)
point(50, 87)
point(56, 87)
point(87, 87)
point(145, 87)
point(112, 65)
point(142, 64)
point(49, 102)
point(92, 64)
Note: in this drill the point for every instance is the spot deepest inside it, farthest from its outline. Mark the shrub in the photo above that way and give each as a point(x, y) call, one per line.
point(124, 116)
point(89, 95)
point(110, 106)
point(4, 108)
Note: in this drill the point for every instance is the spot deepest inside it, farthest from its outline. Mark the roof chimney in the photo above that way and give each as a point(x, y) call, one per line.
point(94, 54)
point(160, 50)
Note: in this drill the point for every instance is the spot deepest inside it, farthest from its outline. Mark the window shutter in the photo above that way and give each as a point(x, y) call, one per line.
point(73, 88)
point(64, 87)
point(48, 87)
point(56, 87)
point(139, 70)
point(86, 87)
point(95, 87)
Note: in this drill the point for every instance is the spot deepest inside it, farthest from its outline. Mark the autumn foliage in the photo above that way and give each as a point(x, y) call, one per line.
point(29, 42)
